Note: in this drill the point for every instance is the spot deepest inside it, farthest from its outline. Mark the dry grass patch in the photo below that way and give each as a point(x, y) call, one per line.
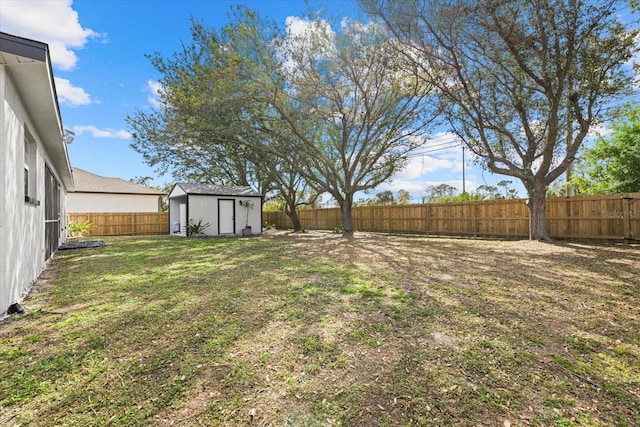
point(313, 329)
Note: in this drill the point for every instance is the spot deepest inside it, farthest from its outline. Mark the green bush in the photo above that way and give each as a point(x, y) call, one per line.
point(194, 229)
point(80, 228)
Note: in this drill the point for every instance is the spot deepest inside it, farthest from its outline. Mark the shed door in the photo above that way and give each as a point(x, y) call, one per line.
point(226, 216)
point(51, 213)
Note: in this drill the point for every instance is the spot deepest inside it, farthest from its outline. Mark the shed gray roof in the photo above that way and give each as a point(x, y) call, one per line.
point(218, 190)
point(87, 182)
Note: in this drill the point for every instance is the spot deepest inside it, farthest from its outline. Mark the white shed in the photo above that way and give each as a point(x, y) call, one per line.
point(228, 210)
point(35, 174)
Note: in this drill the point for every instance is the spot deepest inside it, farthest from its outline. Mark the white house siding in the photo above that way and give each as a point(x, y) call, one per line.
point(22, 229)
point(109, 203)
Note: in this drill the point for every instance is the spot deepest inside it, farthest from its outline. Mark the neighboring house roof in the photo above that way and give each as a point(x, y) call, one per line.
point(29, 65)
point(218, 190)
point(87, 182)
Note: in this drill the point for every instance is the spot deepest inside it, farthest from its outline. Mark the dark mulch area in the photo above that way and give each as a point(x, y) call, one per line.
point(82, 245)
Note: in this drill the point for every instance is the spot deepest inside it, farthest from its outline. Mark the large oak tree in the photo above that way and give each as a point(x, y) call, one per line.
point(526, 79)
point(345, 108)
point(195, 128)
point(202, 131)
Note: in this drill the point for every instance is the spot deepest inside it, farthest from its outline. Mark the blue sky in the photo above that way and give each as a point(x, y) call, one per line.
point(98, 52)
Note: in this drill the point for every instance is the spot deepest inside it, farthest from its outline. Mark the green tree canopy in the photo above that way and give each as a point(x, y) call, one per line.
point(203, 129)
point(612, 165)
point(196, 130)
point(347, 110)
point(436, 193)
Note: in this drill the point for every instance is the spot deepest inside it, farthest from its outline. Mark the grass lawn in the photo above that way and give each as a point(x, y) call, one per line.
point(312, 330)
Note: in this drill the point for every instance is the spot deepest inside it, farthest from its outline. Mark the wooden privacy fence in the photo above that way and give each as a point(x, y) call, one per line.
point(607, 217)
point(124, 223)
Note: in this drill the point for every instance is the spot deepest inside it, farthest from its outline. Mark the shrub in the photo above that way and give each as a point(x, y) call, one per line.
point(77, 229)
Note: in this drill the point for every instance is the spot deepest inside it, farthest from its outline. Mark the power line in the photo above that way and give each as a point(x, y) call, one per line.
point(422, 153)
point(442, 137)
point(430, 146)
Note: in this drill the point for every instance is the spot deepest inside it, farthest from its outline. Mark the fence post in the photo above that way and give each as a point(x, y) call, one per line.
point(477, 219)
point(92, 221)
point(427, 217)
point(626, 217)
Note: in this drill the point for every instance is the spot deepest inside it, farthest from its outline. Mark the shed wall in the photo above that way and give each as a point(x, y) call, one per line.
point(205, 208)
point(254, 218)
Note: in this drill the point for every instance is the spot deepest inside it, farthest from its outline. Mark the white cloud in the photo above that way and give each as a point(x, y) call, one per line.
point(427, 164)
point(154, 87)
point(600, 130)
point(102, 133)
point(415, 188)
point(51, 22)
point(304, 29)
point(70, 95)
point(441, 152)
point(305, 39)
point(422, 171)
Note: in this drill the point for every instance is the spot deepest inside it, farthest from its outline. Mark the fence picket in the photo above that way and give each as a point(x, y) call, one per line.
point(607, 217)
point(123, 224)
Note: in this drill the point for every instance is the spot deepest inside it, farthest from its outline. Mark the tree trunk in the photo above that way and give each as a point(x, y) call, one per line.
point(347, 217)
point(295, 219)
point(537, 204)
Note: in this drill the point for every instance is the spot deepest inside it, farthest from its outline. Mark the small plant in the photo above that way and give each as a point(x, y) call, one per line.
point(194, 229)
point(77, 229)
point(337, 229)
point(268, 225)
point(247, 204)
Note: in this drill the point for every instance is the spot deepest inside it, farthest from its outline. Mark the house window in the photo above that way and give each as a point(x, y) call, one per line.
point(26, 180)
point(30, 176)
